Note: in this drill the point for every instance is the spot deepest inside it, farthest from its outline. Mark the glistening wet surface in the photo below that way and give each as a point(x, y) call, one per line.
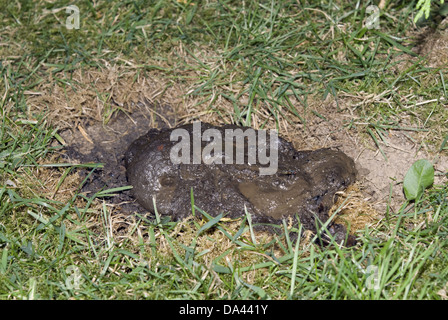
point(303, 185)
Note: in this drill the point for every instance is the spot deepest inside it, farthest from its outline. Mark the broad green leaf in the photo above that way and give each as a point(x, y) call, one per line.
point(419, 177)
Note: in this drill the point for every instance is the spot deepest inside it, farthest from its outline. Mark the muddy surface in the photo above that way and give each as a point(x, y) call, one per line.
point(304, 184)
point(93, 142)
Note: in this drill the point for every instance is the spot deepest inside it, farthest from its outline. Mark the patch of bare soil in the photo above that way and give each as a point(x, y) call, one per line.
point(433, 44)
point(146, 103)
point(380, 175)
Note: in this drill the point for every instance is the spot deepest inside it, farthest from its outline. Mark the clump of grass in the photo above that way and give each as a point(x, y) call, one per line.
point(257, 64)
point(60, 250)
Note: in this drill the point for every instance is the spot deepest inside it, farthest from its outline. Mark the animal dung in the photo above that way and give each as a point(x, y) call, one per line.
point(231, 169)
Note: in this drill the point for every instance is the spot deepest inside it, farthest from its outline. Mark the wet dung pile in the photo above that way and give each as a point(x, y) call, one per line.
point(247, 169)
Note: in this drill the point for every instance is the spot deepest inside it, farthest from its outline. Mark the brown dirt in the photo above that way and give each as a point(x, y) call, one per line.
point(433, 44)
point(380, 176)
point(379, 180)
point(91, 141)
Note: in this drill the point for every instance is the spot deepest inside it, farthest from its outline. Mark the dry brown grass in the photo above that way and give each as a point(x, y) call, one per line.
point(355, 211)
point(98, 93)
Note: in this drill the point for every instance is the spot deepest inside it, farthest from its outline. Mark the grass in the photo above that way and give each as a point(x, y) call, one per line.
point(257, 63)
